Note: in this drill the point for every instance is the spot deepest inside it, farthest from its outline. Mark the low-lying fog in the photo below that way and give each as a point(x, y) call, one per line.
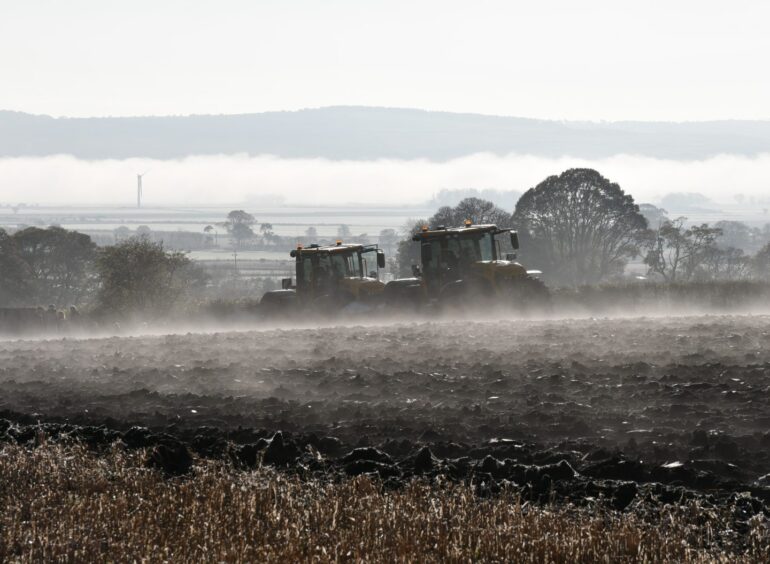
point(226, 179)
point(567, 313)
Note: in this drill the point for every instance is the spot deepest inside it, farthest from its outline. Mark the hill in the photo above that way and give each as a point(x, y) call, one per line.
point(361, 133)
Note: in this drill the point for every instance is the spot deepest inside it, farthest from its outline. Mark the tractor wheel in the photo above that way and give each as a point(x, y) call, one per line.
point(278, 303)
point(528, 295)
point(331, 305)
point(400, 298)
point(465, 297)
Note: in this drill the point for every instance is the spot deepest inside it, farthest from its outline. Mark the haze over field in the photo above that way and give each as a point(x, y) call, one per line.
point(269, 181)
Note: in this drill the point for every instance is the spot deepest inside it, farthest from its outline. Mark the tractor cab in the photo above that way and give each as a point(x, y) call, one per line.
point(451, 255)
point(341, 272)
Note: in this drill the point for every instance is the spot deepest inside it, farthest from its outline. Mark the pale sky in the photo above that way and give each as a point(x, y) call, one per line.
point(566, 59)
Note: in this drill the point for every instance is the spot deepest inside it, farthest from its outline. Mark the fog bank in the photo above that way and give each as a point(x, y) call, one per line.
point(233, 179)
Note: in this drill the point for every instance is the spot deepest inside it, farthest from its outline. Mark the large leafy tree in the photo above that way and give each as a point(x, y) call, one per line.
point(15, 274)
point(139, 276)
point(579, 227)
point(60, 263)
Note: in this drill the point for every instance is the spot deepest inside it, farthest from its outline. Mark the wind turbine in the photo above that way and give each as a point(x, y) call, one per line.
point(139, 188)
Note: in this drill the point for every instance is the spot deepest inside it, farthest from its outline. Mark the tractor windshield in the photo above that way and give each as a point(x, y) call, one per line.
point(451, 257)
point(471, 247)
point(340, 265)
point(322, 269)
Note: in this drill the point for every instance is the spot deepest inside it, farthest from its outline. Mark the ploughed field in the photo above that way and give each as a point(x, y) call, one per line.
point(599, 418)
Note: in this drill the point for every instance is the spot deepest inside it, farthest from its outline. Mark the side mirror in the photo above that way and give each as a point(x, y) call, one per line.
point(380, 259)
point(510, 257)
point(416, 272)
point(426, 253)
point(373, 274)
point(293, 253)
point(286, 283)
point(515, 240)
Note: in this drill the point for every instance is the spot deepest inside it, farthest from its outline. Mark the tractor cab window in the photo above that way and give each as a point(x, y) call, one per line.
point(486, 243)
point(451, 253)
point(339, 265)
point(470, 248)
point(305, 271)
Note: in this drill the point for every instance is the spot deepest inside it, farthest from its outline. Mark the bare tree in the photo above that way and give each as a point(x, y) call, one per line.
point(675, 252)
point(476, 210)
point(725, 264)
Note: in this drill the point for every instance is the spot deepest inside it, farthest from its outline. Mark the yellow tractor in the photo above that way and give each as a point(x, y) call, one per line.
point(469, 265)
point(330, 278)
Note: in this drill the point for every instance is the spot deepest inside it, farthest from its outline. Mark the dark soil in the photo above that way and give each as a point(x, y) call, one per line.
point(620, 412)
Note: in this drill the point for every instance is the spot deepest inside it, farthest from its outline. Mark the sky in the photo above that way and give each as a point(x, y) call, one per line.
point(589, 60)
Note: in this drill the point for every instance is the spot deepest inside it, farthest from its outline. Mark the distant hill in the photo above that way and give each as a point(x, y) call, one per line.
point(360, 133)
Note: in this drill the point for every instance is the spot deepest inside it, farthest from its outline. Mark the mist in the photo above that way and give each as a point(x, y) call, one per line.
point(268, 180)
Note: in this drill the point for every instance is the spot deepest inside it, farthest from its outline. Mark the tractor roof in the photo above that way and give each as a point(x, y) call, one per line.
point(445, 231)
point(338, 248)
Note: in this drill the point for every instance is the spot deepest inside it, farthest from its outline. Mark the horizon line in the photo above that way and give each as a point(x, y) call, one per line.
point(381, 108)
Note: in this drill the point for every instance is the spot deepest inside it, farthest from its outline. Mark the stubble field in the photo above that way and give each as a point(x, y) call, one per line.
point(556, 440)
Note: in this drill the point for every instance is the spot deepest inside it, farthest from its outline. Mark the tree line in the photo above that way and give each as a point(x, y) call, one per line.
point(57, 267)
point(579, 228)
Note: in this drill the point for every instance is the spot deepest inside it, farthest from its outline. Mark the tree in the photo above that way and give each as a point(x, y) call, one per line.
point(60, 262)
point(654, 215)
point(676, 252)
point(139, 276)
point(761, 263)
point(725, 264)
point(475, 209)
point(311, 234)
point(267, 231)
point(121, 233)
point(579, 227)
point(208, 230)
point(344, 232)
point(143, 231)
point(408, 252)
point(736, 234)
point(15, 274)
point(239, 224)
point(388, 240)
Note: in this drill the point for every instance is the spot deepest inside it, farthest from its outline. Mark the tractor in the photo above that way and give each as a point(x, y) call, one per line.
point(467, 266)
point(330, 278)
